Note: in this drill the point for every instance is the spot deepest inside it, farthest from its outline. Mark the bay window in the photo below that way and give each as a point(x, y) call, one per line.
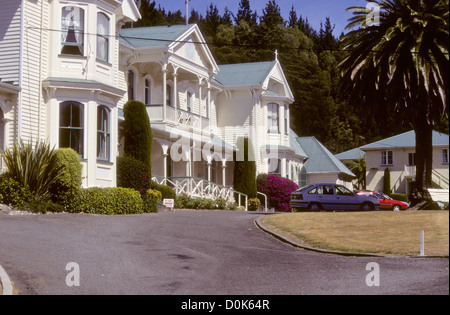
point(103, 133)
point(71, 126)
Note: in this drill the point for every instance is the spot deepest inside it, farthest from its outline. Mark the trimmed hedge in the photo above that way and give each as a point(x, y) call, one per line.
point(150, 199)
point(12, 193)
point(166, 191)
point(253, 204)
point(132, 173)
point(68, 182)
point(186, 202)
point(107, 201)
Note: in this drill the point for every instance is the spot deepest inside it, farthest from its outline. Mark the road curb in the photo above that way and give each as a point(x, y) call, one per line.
point(5, 282)
point(302, 246)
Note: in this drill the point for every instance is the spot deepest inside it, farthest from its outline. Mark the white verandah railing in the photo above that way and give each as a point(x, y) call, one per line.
point(201, 188)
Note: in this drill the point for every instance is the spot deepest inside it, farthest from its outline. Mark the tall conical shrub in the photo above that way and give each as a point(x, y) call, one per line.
point(245, 168)
point(137, 133)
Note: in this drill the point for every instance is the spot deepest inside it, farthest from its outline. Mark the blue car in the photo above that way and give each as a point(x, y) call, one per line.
point(331, 197)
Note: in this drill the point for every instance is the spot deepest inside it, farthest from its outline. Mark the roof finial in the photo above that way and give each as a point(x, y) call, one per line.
point(276, 54)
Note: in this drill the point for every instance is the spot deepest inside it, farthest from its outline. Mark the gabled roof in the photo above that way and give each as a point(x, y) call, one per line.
point(254, 73)
point(129, 10)
point(405, 140)
point(321, 160)
point(295, 145)
point(152, 36)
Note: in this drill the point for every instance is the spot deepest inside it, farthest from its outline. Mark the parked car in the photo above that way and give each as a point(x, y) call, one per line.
point(331, 197)
point(386, 202)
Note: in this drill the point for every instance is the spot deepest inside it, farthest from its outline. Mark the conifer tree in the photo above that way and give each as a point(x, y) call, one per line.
point(137, 132)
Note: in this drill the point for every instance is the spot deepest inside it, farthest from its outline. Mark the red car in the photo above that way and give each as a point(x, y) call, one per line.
point(387, 203)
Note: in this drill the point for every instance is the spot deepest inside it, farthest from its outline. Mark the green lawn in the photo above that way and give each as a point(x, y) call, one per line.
point(396, 233)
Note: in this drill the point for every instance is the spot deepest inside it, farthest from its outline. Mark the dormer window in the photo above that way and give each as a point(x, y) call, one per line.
point(72, 31)
point(102, 37)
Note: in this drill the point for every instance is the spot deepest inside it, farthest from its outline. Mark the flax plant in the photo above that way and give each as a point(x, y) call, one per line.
point(32, 167)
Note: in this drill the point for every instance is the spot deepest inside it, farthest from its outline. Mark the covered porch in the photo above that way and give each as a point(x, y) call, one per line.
point(200, 167)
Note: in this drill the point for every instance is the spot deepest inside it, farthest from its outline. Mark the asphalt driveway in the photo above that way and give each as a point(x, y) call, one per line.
point(189, 253)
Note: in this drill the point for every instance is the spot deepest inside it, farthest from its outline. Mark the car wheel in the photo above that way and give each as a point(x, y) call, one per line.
point(367, 206)
point(396, 208)
point(315, 207)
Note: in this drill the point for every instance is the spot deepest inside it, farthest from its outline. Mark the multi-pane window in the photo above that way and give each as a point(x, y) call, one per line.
point(273, 118)
point(72, 31)
point(303, 177)
point(103, 133)
point(71, 126)
point(102, 37)
point(387, 158)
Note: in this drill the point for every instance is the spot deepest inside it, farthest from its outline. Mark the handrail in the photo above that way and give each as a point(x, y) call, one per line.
point(199, 187)
point(265, 198)
point(440, 177)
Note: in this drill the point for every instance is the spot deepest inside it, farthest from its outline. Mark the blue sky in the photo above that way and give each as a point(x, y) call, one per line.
point(315, 10)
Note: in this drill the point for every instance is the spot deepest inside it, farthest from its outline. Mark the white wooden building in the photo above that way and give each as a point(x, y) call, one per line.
point(67, 67)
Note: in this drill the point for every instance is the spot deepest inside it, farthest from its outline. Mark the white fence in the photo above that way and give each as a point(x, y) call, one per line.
point(201, 188)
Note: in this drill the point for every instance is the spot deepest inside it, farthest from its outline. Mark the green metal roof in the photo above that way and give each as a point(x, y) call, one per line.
point(153, 36)
point(406, 140)
point(295, 145)
point(254, 73)
point(321, 160)
point(355, 154)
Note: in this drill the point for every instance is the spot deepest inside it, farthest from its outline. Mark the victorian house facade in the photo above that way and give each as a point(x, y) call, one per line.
point(68, 67)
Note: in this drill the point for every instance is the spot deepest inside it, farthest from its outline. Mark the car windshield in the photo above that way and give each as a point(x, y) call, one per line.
point(382, 196)
point(342, 191)
point(304, 188)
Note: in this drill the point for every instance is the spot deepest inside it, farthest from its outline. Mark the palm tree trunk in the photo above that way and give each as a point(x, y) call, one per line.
point(424, 158)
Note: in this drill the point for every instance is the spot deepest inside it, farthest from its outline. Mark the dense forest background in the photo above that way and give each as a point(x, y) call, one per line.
point(310, 60)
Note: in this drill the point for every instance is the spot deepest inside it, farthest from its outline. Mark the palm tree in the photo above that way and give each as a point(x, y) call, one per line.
point(401, 65)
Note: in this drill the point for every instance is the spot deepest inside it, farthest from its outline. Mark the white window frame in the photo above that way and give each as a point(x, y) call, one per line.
point(286, 120)
point(273, 118)
point(104, 133)
point(71, 128)
point(65, 31)
point(103, 37)
point(387, 158)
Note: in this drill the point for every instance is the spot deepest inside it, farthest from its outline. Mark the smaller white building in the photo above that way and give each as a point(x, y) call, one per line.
point(398, 154)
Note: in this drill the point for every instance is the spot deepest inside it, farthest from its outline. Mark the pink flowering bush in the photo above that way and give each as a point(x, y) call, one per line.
point(278, 191)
